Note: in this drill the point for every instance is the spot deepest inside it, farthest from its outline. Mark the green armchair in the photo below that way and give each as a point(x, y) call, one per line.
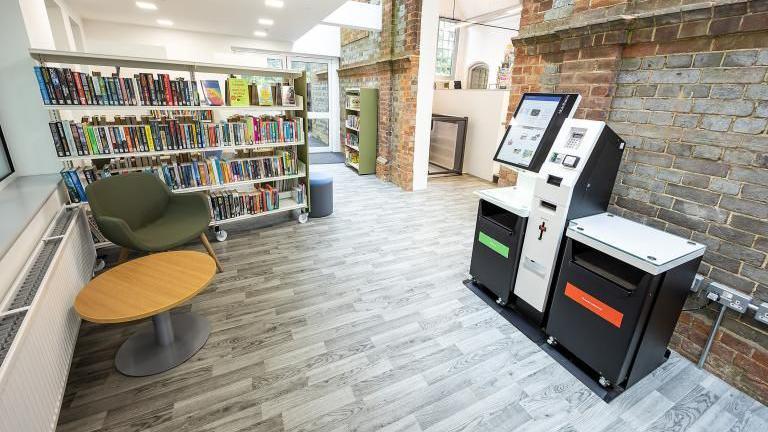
point(138, 212)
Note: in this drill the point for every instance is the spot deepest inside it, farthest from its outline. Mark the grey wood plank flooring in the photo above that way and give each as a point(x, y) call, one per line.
point(360, 322)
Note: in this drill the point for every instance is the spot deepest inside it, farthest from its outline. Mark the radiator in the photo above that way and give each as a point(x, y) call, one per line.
point(39, 326)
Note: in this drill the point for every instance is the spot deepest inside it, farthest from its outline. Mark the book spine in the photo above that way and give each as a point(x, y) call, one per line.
point(71, 191)
point(71, 87)
point(167, 89)
point(60, 87)
point(65, 140)
point(49, 86)
point(56, 139)
point(41, 84)
point(79, 89)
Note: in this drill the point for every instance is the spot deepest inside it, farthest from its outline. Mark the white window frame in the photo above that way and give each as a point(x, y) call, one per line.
point(472, 69)
point(454, 51)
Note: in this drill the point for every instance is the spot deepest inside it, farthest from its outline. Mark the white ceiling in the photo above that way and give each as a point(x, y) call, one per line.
point(467, 9)
point(229, 17)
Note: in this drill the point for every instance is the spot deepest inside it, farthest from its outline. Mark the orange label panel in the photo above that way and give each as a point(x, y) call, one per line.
point(596, 306)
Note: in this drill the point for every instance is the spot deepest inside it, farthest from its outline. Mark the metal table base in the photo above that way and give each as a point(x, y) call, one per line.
point(171, 341)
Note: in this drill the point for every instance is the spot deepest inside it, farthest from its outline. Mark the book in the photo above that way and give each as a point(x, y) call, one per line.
point(289, 95)
point(237, 92)
point(265, 94)
point(212, 92)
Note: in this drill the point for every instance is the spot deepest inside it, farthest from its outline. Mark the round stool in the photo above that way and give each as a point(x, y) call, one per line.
point(321, 191)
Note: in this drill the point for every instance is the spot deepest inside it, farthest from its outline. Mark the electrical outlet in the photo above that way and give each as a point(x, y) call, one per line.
point(730, 297)
point(697, 281)
point(762, 313)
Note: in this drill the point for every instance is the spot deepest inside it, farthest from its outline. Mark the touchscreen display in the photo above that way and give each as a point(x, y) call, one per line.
point(526, 131)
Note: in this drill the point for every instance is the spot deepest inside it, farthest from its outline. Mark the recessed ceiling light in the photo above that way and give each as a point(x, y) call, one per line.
point(274, 3)
point(146, 5)
point(260, 33)
point(266, 21)
point(165, 22)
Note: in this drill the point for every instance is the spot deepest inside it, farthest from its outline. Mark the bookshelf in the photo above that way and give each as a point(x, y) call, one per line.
point(361, 127)
point(291, 129)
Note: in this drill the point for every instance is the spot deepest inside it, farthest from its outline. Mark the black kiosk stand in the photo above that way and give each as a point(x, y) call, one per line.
point(619, 294)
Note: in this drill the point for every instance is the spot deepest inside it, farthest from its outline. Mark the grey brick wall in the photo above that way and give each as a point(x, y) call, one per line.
point(695, 126)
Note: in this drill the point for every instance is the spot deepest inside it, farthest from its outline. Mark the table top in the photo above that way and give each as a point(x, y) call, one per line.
point(145, 286)
point(644, 247)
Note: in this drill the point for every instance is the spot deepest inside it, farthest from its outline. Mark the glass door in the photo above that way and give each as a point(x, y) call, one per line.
point(322, 102)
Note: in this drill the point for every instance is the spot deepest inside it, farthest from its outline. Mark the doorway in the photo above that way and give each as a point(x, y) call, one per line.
point(322, 102)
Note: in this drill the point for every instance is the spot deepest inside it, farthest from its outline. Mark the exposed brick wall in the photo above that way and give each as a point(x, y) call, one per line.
point(686, 85)
point(388, 61)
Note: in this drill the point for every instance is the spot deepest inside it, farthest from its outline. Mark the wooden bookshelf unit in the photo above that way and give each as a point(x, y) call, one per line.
point(290, 118)
point(361, 129)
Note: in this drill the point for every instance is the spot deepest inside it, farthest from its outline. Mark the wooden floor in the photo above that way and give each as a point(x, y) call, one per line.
point(359, 321)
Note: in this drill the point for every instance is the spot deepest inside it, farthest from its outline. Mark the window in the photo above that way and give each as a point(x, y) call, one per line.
point(275, 62)
point(447, 38)
point(478, 76)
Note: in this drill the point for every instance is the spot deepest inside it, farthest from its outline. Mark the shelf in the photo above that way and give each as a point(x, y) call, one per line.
point(182, 151)
point(352, 90)
point(351, 128)
point(91, 59)
point(353, 165)
point(355, 148)
point(104, 244)
point(353, 109)
point(286, 204)
point(239, 183)
point(132, 108)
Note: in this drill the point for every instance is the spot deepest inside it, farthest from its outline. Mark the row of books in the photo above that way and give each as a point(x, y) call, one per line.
point(230, 204)
point(129, 135)
point(179, 173)
point(353, 121)
point(352, 139)
point(239, 92)
point(63, 86)
point(217, 171)
point(353, 102)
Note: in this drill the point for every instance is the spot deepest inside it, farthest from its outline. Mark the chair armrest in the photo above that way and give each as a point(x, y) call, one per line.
point(195, 201)
point(117, 231)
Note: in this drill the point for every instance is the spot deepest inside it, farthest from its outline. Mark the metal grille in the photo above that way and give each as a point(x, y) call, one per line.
point(62, 222)
point(35, 275)
point(9, 326)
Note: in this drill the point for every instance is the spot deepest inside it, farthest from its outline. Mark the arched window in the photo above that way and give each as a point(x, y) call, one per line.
point(478, 76)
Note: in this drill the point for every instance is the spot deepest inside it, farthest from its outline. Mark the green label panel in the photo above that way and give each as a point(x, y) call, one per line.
point(493, 244)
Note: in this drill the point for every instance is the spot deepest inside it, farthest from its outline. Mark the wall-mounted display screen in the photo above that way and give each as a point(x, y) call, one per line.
point(533, 129)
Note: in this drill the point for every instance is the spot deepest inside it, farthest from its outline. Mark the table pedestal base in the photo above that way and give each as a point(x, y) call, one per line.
point(171, 341)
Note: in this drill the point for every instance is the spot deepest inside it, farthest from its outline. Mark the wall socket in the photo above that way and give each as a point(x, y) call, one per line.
point(762, 313)
point(697, 282)
point(730, 297)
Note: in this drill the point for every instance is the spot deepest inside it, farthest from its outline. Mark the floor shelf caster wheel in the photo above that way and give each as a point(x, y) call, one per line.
point(552, 341)
point(221, 235)
point(500, 302)
point(303, 218)
point(604, 382)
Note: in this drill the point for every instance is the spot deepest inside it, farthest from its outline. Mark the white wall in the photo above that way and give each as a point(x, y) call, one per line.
point(487, 111)
point(23, 119)
point(483, 44)
point(133, 40)
point(425, 91)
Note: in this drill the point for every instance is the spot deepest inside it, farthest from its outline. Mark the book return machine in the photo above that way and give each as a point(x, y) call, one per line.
point(607, 290)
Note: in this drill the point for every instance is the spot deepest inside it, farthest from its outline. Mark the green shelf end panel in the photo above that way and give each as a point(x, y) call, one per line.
point(369, 130)
point(302, 152)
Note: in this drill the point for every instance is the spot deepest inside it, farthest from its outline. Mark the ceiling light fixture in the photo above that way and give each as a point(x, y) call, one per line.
point(165, 22)
point(260, 33)
point(274, 3)
point(146, 5)
point(266, 21)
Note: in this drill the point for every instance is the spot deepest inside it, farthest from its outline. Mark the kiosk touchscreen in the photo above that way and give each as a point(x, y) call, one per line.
point(529, 136)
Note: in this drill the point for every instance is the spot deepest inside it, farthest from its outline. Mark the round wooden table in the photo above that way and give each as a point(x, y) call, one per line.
point(151, 286)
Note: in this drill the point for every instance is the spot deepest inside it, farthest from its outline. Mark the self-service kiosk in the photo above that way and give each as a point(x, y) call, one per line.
point(566, 170)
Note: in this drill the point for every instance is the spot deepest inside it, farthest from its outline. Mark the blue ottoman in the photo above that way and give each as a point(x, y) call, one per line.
point(321, 191)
